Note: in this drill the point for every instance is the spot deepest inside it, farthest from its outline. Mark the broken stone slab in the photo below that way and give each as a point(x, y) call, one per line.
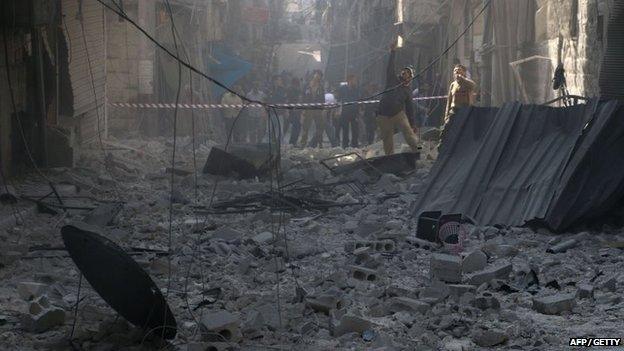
point(350, 323)
point(398, 304)
point(585, 291)
point(324, 303)
point(447, 268)
point(31, 290)
point(500, 271)
point(221, 326)
point(364, 274)
point(474, 261)
point(489, 338)
point(555, 304)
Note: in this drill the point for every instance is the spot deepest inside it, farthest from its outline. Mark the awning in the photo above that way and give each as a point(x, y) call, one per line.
point(523, 163)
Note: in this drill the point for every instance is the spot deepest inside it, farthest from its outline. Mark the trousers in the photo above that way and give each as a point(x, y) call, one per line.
point(387, 126)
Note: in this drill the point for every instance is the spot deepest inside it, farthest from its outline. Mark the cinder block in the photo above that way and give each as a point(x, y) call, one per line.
point(555, 304)
point(585, 291)
point(363, 273)
point(446, 268)
point(422, 244)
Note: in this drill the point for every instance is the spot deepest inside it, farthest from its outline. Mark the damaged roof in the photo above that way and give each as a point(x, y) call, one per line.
point(521, 163)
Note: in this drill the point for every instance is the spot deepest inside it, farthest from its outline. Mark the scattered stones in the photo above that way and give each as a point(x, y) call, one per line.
point(42, 316)
point(31, 290)
point(555, 304)
point(329, 299)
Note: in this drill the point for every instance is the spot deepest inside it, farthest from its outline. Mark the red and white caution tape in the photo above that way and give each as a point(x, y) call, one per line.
point(228, 106)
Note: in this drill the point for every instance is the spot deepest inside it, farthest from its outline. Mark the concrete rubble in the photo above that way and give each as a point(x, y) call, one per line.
point(340, 278)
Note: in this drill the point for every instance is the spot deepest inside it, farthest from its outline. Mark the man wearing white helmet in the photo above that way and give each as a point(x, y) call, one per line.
point(396, 108)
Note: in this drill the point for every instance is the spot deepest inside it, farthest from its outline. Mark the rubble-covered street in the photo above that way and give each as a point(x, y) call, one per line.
point(340, 278)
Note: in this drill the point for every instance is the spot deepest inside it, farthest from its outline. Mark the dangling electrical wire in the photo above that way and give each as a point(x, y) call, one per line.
point(173, 157)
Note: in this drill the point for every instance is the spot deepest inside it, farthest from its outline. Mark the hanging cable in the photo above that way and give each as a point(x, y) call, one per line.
point(173, 157)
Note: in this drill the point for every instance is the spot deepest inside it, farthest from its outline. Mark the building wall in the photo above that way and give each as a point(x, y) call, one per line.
point(123, 75)
point(579, 36)
point(84, 31)
point(16, 44)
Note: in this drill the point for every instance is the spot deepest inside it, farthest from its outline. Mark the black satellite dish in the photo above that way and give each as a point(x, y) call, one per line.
point(119, 280)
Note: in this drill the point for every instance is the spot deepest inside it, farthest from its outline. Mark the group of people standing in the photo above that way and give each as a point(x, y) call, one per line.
point(313, 127)
point(342, 126)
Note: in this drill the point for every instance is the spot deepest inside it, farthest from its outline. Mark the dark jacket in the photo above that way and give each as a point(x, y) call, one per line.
point(347, 94)
point(398, 99)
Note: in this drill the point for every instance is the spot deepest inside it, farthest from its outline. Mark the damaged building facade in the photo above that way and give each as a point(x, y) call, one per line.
point(155, 193)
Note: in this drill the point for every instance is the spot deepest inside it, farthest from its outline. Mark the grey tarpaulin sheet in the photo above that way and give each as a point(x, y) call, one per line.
point(521, 163)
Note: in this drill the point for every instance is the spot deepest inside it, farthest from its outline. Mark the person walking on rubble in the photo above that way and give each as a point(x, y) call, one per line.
point(395, 106)
point(461, 94)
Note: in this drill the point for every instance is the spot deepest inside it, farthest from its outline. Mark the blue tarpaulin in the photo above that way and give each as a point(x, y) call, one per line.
point(228, 70)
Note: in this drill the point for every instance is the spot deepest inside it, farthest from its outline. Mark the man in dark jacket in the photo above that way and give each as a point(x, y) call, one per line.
point(395, 107)
point(349, 117)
